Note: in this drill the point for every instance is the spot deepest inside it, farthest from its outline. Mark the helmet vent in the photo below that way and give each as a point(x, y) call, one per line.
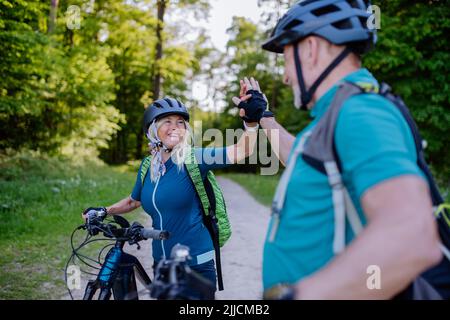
point(293, 24)
point(156, 104)
point(169, 102)
point(343, 24)
point(363, 21)
point(325, 10)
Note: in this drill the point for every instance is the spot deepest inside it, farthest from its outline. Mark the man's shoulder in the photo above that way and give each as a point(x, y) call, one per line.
point(369, 121)
point(369, 109)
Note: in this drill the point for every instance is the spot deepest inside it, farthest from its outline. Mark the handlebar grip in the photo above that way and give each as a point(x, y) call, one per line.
point(93, 214)
point(154, 234)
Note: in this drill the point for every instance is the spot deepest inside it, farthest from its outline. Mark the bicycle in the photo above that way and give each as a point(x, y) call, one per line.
point(117, 274)
point(173, 276)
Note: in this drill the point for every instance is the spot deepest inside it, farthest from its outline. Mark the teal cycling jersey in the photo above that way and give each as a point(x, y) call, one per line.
point(374, 143)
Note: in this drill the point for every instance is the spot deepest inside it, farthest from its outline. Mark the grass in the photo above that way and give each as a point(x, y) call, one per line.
point(41, 200)
point(262, 188)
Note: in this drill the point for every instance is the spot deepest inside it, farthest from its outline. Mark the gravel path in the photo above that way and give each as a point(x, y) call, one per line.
point(241, 256)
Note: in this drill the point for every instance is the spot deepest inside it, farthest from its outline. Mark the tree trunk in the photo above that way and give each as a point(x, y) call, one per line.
point(139, 143)
point(52, 16)
point(156, 75)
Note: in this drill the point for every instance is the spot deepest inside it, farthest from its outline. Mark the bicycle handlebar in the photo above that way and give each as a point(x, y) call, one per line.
point(173, 276)
point(134, 233)
point(154, 234)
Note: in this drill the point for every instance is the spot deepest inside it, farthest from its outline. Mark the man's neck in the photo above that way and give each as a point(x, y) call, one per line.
point(343, 70)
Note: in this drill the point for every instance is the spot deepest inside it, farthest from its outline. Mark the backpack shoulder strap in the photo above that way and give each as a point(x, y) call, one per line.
point(196, 177)
point(144, 168)
point(320, 147)
point(319, 152)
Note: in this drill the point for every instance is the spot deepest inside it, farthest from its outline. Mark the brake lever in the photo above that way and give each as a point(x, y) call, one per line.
point(108, 230)
point(91, 228)
point(135, 234)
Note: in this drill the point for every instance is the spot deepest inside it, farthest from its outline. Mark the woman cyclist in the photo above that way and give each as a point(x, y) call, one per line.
point(168, 194)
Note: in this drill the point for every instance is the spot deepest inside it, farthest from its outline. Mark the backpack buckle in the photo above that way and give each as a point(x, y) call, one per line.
point(334, 176)
point(385, 88)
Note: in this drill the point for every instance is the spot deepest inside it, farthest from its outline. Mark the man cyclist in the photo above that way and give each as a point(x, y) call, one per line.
point(322, 42)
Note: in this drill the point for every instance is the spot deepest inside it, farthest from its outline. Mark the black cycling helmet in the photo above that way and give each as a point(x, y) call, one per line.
point(342, 22)
point(164, 107)
point(338, 21)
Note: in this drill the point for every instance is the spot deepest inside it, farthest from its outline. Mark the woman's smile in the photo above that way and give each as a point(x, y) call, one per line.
point(172, 130)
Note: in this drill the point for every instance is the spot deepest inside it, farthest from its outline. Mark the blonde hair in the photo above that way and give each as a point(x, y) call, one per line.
point(179, 153)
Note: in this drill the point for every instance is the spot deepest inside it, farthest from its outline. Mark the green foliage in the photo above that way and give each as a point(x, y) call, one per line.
point(41, 200)
point(82, 91)
point(247, 59)
point(411, 55)
point(53, 98)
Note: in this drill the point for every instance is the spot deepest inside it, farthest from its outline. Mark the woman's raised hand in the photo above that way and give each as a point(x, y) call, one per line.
point(251, 101)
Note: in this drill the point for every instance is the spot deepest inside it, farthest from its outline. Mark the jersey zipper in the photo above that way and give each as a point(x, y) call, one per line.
point(159, 213)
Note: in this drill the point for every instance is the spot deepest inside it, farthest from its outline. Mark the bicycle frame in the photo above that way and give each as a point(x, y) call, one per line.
point(117, 276)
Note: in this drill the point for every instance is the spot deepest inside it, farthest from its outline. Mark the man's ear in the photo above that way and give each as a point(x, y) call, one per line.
point(314, 51)
point(309, 52)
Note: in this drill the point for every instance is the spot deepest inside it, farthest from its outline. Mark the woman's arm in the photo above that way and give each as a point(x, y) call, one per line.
point(280, 140)
point(245, 145)
point(123, 206)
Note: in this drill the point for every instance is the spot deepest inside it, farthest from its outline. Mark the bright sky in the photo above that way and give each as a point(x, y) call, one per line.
point(221, 16)
point(222, 12)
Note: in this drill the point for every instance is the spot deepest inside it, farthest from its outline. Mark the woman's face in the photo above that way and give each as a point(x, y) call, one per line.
point(172, 130)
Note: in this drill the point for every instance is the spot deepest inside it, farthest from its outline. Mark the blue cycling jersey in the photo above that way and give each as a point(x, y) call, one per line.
point(174, 205)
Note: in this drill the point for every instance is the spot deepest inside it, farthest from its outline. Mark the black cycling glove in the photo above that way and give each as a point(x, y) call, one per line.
point(268, 114)
point(254, 107)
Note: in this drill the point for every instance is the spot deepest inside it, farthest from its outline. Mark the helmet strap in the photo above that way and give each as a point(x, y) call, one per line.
point(306, 95)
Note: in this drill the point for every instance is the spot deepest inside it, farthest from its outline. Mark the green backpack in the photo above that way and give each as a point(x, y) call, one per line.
point(215, 217)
